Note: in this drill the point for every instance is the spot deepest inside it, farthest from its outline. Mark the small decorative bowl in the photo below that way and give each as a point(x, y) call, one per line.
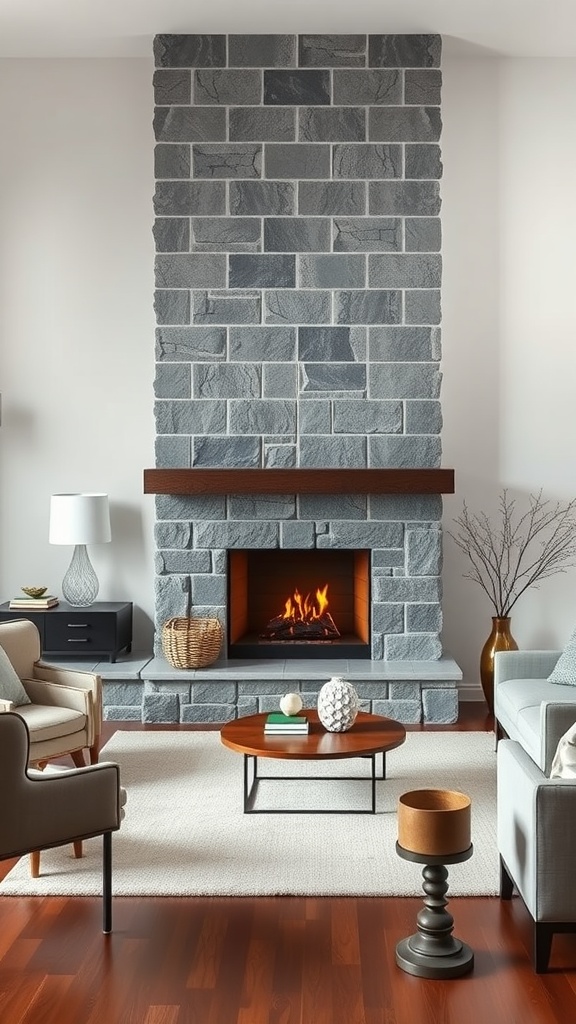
point(34, 591)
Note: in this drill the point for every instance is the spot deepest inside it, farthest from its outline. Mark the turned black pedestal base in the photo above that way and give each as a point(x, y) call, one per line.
point(433, 952)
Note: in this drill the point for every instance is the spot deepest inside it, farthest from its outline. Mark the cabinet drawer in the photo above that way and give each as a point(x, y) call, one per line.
point(78, 631)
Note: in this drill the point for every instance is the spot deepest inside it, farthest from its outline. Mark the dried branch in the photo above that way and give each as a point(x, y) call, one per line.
point(516, 551)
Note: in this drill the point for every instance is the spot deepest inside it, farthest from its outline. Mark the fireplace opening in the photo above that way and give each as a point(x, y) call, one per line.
point(299, 604)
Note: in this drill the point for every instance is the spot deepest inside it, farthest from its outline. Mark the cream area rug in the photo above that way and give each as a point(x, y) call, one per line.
point(184, 833)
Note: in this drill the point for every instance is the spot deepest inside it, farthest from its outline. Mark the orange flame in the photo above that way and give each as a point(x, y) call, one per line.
point(306, 609)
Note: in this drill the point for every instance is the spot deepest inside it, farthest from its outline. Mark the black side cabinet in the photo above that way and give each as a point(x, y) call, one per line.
point(102, 630)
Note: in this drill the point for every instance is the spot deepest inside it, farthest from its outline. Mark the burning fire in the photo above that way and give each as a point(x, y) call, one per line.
point(303, 609)
point(304, 619)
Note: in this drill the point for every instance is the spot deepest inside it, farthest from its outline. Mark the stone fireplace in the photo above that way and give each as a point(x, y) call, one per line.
point(297, 301)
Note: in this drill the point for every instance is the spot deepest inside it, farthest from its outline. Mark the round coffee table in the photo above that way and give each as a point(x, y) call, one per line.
point(370, 736)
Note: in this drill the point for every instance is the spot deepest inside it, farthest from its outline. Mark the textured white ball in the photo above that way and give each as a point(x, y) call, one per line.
point(337, 705)
point(291, 704)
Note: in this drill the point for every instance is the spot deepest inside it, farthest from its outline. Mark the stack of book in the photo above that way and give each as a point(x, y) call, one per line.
point(288, 725)
point(39, 604)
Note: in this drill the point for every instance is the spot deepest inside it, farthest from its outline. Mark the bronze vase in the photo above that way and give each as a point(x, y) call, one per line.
point(500, 639)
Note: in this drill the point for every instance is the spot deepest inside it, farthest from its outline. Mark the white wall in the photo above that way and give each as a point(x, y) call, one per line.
point(76, 316)
point(509, 148)
point(77, 326)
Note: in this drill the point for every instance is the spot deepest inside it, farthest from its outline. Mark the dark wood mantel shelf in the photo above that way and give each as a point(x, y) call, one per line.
point(298, 481)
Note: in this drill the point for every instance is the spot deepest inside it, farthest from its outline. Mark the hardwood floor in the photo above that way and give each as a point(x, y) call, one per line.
point(269, 960)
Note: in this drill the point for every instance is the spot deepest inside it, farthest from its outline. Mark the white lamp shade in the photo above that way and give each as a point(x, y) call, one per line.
point(79, 519)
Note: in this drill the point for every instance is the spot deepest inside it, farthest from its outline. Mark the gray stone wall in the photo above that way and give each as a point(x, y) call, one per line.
point(298, 276)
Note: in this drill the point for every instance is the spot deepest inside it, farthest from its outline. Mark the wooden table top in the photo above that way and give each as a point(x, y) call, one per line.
point(370, 734)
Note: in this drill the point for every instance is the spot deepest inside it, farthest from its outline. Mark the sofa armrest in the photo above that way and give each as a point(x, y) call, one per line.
point(555, 720)
point(6, 705)
point(523, 665)
point(537, 833)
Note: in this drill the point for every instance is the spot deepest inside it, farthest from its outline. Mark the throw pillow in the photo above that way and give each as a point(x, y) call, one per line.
point(564, 670)
point(564, 763)
point(10, 686)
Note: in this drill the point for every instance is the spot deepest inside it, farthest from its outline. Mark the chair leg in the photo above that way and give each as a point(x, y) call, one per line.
point(94, 753)
point(543, 934)
point(35, 864)
point(107, 882)
point(78, 849)
point(78, 758)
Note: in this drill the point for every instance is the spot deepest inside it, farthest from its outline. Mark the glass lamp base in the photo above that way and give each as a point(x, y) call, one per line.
point(80, 584)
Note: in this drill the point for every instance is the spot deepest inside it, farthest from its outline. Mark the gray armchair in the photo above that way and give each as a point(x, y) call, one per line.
point(42, 810)
point(537, 845)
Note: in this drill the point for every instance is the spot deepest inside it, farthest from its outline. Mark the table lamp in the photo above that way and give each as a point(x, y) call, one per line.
point(79, 519)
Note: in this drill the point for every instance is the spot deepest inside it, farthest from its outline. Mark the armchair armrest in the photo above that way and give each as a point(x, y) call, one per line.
point(41, 691)
point(523, 665)
point(88, 681)
point(537, 833)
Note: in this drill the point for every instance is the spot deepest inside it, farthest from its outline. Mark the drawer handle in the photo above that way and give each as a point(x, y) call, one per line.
point(78, 625)
point(80, 640)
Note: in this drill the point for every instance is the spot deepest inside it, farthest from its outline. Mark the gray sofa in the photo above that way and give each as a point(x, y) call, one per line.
point(529, 709)
point(536, 814)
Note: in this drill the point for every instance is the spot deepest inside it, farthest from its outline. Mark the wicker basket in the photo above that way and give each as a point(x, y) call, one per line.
point(192, 643)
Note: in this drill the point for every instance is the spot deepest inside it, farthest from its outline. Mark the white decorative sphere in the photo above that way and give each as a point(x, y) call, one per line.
point(291, 704)
point(337, 705)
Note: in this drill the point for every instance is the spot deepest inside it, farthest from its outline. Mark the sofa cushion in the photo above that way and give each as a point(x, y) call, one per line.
point(564, 671)
point(564, 763)
point(10, 684)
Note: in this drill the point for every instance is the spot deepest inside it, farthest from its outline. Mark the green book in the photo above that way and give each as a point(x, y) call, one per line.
point(277, 718)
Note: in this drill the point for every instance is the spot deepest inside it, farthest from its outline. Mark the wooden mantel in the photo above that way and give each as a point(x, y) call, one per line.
point(298, 481)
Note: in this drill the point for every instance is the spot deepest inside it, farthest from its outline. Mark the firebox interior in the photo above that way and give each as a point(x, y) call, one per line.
point(267, 586)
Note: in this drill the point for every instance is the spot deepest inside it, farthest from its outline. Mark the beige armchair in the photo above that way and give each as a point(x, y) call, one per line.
point(65, 713)
point(42, 810)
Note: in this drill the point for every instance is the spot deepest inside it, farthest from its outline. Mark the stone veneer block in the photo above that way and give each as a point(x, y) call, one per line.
point(184, 198)
point(333, 124)
point(263, 507)
point(369, 88)
point(423, 417)
point(404, 124)
point(179, 344)
point(280, 380)
point(174, 535)
point(161, 708)
point(173, 452)
point(440, 706)
point(332, 270)
point(275, 51)
point(233, 160)
point(297, 234)
point(237, 535)
point(180, 417)
point(295, 87)
point(262, 417)
point(207, 713)
point(336, 452)
point(375, 306)
point(267, 198)
point(404, 344)
point(183, 270)
point(366, 161)
point(334, 506)
point(297, 307)
point(423, 618)
point(172, 87)
point(338, 198)
point(171, 161)
point(406, 452)
point(226, 234)
point(424, 552)
point(226, 453)
point(225, 380)
point(226, 87)
point(367, 417)
point(400, 270)
point(226, 307)
point(413, 51)
point(262, 271)
point(248, 124)
point(413, 647)
point(318, 377)
point(422, 86)
point(419, 198)
point(325, 344)
point(375, 234)
point(122, 713)
point(171, 234)
point(182, 562)
point(302, 160)
point(423, 307)
point(188, 51)
point(256, 344)
point(172, 307)
point(297, 535)
point(332, 51)
point(404, 380)
point(422, 161)
point(409, 712)
point(190, 124)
